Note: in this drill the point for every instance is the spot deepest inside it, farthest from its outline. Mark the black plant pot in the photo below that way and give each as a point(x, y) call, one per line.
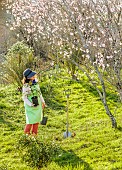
point(35, 100)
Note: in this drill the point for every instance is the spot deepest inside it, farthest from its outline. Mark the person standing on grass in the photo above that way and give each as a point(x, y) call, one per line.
point(33, 102)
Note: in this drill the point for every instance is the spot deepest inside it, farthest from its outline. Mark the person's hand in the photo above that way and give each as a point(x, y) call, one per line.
point(33, 105)
point(43, 105)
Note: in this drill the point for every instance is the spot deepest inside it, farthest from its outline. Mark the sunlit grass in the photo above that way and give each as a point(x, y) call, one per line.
point(96, 145)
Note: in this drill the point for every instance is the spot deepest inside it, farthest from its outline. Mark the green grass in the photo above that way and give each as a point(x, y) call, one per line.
point(96, 145)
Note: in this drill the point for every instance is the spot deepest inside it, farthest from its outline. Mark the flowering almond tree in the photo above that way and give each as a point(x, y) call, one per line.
point(86, 33)
point(28, 22)
point(96, 31)
point(86, 27)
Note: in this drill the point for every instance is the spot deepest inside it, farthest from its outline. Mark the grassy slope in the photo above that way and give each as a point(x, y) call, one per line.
point(96, 145)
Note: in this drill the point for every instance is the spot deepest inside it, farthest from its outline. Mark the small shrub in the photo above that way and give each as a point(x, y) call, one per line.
point(18, 58)
point(35, 152)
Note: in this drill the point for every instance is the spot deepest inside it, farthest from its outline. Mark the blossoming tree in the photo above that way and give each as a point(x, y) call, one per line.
point(86, 33)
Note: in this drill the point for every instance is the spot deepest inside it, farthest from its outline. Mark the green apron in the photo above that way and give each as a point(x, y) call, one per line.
point(34, 114)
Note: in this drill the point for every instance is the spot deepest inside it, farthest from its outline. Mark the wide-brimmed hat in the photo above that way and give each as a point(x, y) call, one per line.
point(29, 73)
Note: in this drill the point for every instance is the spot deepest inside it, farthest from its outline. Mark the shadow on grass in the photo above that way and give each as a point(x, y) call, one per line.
point(69, 158)
point(5, 122)
point(54, 104)
point(119, 128)
point(90, 88)
point(50, 98)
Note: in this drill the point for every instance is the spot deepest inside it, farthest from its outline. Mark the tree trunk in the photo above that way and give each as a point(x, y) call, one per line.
point(103, 98)
point(108, 112)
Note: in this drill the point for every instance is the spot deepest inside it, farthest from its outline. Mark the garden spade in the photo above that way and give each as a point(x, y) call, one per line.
point(67, 133)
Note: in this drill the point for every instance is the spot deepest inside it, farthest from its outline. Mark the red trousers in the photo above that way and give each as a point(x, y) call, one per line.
point(31, 127)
